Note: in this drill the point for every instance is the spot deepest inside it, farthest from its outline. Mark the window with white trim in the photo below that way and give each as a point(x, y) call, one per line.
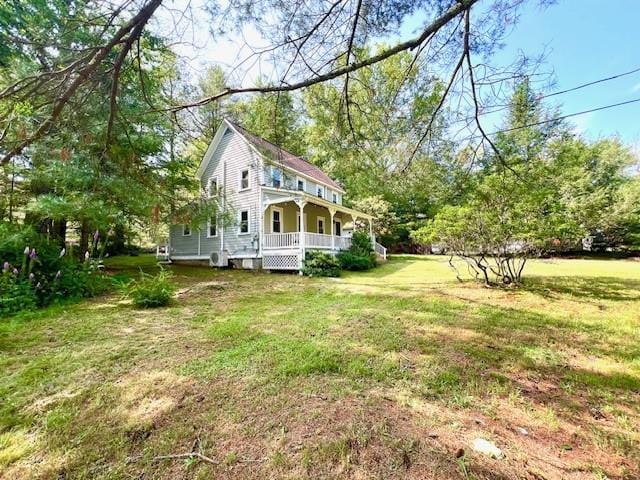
point(301, 184)
point(320, 191)
point(212, 227)
point(276, 220)
point(212, 188)
point(321, 225)
point(276, 177)
point(334, 197)
point(186, 230)
point(243, 226)
point(244, 179)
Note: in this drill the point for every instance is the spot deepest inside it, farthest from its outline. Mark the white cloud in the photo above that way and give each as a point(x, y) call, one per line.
point(636, 87)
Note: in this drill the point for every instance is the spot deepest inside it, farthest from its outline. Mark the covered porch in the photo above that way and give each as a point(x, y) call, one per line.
point(294, 222)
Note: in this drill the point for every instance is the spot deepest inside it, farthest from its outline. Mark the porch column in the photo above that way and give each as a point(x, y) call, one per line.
point(301, 203)
point(332, 212)
point(373, 239)
point(261, 226)
point(263, 212)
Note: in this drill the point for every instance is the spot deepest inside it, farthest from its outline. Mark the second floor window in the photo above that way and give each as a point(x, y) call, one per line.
point(186, 230)
point(301, 185)
point(320, 191)
point(335, 197)
point(244, 179)
point(276, 177)
point(213, 186)
point(244, 221)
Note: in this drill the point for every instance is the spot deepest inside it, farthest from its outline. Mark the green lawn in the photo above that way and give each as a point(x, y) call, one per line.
point(383, 374)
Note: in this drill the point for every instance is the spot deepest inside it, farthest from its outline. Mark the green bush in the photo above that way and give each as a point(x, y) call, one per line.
point(37, 272)
point(150, 291)
point(320, 264)
point(360, 255)
point(15, 295)
point(361, 244)
point(349, 261)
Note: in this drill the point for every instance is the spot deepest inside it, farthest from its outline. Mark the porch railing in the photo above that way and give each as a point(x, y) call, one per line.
point(311, 240)
point(317, 240)
point(281, 240)
point(162, 252)
point(343, 243)
point(380, 250)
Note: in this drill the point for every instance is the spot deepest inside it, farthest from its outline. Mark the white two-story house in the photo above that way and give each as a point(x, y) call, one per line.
point(281, 206)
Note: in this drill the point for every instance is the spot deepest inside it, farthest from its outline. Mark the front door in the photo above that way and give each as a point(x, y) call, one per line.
point(337, 228)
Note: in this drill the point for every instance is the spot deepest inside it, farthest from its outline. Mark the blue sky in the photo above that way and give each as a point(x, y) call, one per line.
point(586, 40)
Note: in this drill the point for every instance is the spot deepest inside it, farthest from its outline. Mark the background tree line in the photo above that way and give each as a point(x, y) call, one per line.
point(382, 129)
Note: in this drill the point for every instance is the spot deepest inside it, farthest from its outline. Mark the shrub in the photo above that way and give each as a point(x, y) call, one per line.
point(361, 244)
point(349, 261)
point(15, 295)
point(36, 272)
point(320, 264)
point(360, 255)
point(150, 291)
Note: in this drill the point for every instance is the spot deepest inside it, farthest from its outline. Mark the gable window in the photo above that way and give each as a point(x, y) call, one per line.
point(212, 227)
point(301, 185)
point(212, 188)
point(321, 225)
point(244, 179)
point(186, 230)
point(334, 197)
point(276, 177)
point(320, 191)
point(276, 220)
point(244, 221)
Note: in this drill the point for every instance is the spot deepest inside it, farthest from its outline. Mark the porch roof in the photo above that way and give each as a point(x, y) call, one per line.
point(289, 195)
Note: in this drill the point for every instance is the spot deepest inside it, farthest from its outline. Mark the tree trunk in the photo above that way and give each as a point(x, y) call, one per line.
point(117, 242)
point(59, 232)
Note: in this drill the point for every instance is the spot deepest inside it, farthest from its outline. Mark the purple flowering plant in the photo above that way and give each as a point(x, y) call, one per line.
point(38, 272)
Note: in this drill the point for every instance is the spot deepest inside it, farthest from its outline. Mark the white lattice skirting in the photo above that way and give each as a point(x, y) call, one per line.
point(281, 262)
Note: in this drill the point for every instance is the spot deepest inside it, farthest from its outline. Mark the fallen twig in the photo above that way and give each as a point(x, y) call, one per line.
point(179, 456)
point(199, 456)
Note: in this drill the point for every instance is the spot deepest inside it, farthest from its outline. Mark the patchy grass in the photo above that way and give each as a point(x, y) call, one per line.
point(380, 374)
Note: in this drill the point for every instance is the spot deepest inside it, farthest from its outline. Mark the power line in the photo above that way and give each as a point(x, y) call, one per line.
point(560, 92)
point(562, 117)
point(588, 84)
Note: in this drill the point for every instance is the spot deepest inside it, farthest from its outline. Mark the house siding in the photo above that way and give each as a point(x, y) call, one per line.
point(227, 162)
point(183, 245)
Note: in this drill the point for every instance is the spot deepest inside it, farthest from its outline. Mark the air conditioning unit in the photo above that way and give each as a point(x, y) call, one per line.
point(217, 259)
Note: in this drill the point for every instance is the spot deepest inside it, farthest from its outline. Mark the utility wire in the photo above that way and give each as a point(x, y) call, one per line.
point(560, 92)
point(588, 84)
point(555, 119)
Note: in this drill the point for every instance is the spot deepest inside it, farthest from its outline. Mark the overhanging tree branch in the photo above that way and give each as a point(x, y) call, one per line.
point(433, 27)
point(84, 74)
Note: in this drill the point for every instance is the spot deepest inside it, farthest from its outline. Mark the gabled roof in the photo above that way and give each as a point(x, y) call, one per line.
point(279, 155)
